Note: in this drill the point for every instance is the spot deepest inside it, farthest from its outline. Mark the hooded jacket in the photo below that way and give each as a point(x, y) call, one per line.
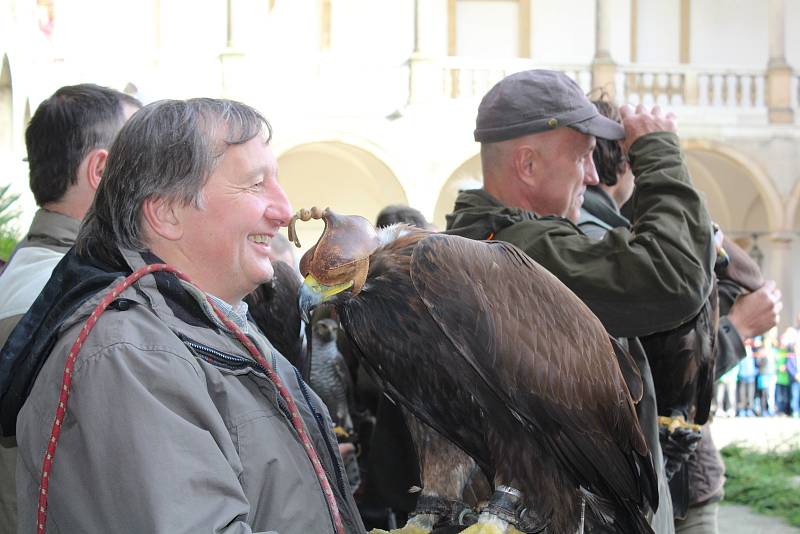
point(171, 425)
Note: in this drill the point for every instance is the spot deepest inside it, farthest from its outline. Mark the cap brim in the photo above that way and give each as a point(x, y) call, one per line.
point(600, 126)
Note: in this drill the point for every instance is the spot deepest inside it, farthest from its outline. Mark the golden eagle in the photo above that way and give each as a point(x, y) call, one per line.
point(492, 352)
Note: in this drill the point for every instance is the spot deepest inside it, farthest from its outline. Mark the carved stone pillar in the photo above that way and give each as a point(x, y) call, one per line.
point(604, 70)
point(232, 60)
point(781, 270)
point(424, 79)
point(779, 73)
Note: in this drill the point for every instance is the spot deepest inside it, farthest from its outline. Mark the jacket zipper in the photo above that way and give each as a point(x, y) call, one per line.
point(235, 362)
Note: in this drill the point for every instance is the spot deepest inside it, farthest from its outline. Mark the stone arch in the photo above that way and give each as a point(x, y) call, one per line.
point(6, 107)
point(468, 175)
point(740, 194)
point(345, 177)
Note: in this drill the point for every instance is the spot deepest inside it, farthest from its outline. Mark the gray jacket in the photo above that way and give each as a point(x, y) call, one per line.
point(172, 427)
point(50, 236)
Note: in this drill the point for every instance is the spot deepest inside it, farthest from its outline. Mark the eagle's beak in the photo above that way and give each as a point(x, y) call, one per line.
point(313, 293)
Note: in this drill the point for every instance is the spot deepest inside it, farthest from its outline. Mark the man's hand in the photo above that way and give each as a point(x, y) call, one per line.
point(641, 122)
point(755, 313)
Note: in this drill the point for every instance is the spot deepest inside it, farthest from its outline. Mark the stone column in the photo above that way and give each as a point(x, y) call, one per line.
point(780, 270)
point(232, 58)
point(425, 80)
point(604, 69)
point(779, 73)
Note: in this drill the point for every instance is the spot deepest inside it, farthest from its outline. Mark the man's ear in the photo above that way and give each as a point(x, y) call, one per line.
point(95, 164)
point(525, 162)
point(162, 218)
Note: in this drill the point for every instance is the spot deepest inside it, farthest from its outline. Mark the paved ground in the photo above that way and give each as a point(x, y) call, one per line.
point(763, 433)
point(736, 519)
point(776, 433)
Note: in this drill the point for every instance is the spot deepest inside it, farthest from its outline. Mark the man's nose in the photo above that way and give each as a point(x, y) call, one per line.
point(280, 209)
point(590, 172)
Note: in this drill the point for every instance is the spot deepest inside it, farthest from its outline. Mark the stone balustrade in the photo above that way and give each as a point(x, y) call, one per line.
point(676, 86)
point(714, 88)
point(467, 77)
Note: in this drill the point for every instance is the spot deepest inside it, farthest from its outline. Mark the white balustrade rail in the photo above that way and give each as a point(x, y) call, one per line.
point(692, 86)
point(675, 86)
point(469, 77)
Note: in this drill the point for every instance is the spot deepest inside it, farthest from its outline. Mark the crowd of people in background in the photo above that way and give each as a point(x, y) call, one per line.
point(766, 382)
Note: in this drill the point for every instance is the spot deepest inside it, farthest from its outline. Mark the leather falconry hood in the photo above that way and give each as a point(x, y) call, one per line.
point(342, 252)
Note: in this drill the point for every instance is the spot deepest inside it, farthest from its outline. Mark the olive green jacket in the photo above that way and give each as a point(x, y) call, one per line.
point(651, 278)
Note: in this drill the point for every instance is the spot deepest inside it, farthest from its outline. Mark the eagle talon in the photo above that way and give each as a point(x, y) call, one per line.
point(505, 504)
point(673, 423)
point(505, 514)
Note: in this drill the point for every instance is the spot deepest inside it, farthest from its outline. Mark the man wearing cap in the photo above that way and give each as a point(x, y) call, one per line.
point(537, 131)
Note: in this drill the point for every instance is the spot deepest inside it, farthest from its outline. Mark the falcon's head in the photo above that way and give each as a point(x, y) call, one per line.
point(339, 260)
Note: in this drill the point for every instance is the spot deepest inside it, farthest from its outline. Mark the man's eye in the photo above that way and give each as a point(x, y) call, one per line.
point(256, 186)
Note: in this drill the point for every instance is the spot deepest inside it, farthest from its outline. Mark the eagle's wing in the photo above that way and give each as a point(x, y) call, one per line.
point(541, 350)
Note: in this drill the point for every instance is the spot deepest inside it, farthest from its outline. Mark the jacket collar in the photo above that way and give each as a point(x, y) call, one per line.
point(479, 215)
point(599, 203)
point(52, 228)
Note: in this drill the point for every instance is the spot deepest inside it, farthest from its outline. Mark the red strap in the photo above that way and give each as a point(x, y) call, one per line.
point(66, 386)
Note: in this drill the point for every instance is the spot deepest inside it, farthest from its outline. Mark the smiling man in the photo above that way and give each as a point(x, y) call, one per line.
point(174, 414)
point(537, 131)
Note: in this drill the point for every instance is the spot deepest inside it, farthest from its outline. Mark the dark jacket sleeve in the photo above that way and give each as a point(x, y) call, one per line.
point(651, 278)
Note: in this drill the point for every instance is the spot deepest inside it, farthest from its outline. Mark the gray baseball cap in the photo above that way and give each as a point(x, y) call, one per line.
point(537, 101)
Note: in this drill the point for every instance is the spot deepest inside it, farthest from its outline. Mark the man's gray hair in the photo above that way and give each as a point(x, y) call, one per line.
point(168, 149)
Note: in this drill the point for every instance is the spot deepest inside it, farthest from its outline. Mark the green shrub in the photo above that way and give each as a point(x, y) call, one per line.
point(8, 214)
point(7, 244)
point(767, 482)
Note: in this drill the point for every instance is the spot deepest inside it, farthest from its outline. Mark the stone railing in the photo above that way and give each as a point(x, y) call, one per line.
point(469, 77)
point(691, 86)
point(675, 86)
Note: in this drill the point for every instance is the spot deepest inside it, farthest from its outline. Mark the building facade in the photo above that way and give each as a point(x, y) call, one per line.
point(374, 102)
